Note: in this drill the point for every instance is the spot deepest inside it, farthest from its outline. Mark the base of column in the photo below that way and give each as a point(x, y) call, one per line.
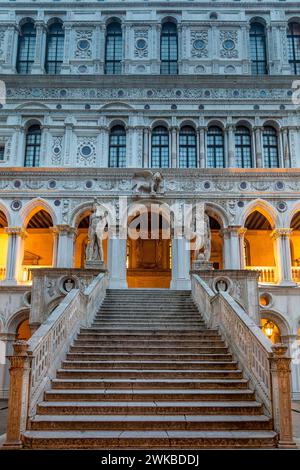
point(181, 284)
point(200, 265)
point(286, 283)
point(9, 282)
point(117, 284)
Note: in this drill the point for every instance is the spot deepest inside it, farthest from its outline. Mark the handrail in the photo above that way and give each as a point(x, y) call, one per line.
point(262, 362)
point(40, 357)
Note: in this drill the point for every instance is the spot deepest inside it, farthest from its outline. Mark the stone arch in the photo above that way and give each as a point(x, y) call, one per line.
point(169, 19)
point(6, 212)
point(276, 124)
point(54, 20)
point(116, 105)
point(15, 319)
point(216, 211)
point(216, 123)
point(278, 319)
point(34, 206)
point(290, 215)
point(258, 19)
point(117, 122)
point(160, 122)
point(28, 122)
point(188, 123)
point(264, 207)
point(32, 105)
point(244, 123)
point(113, 19)
point(25, 20)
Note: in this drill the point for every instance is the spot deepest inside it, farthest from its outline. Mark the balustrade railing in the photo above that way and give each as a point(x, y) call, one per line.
point(296, 273)
point(40, 357)
point(2, 273)
point(27, 273)
point(266, 366)
point(267, 274)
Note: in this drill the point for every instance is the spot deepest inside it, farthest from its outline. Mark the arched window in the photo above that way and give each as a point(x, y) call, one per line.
point(294, 47)
point(113, 49)
point(117, 147)
point(160, 147)
point(169, 49)
point(187, 148)
point(33, 146)
point(215, 148)
point(243, 153)
point(270, 147)
point(258, 49)
point(55, 48)
point(26, 48)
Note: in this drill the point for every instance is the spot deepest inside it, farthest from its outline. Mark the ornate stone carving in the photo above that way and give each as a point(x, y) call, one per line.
point(199, 43)
point(56, 149)
point(94, 249)
point(83, 44)
point(86, 150)
point(229, 40)
point(148, 182)
point(141, 42)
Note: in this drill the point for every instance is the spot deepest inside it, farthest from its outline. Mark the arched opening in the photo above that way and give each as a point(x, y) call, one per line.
point(216, 256)
point(54, 48)
point(258, 235)
point(258, 48)
point(295, 247)
point(169, 49)
point(26, 47)
point(270, 147)
point(160, 147)
point(38, 244)
point(117, 147)
point(23, 330)
point(33, 146)
point(113, 49)
point(149, 256)
point(215, 147)
point(82, 239)
point(293, 36)
point(3, 245)
point(243, 150)
point(187, 147)
point(271, 330)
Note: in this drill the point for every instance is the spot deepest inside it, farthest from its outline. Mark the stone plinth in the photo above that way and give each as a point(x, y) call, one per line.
point(92, 264)
point(199, 265)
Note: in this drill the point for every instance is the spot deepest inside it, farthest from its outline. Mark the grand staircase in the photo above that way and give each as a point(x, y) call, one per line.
point(149, 374)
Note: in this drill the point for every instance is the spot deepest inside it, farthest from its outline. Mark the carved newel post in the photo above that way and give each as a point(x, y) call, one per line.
point(18, 394)
point(281, 395)
point(94, 250)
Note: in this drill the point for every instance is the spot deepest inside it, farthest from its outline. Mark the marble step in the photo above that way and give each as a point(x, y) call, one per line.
point(146, 373)
point(112, 356)
point(150, 365)
point(140, 349)
point(142, 383)
point(150, 407)
point(150, 422)
point(148, 395)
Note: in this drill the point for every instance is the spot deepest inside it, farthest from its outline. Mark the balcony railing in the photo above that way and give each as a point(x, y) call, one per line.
point(27, 273)
point(2, 273)
point(296, 273)
point(268, 274)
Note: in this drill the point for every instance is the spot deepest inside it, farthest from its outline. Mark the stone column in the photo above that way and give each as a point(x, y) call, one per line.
point(8, 339)
point(15, 254)
point(293, 344)
point(246, 61)
point(174, 133)
point(55, 233)
point(137, 148)
point(242, 231)
point(285, 147)
point(231, 247)
point(12, 35)
point(104, 146)
point(38, 66)
point(117, 262)
point(18, 395)
point(65, 251)
point(231, 145)
point(146, 162)
point(180, 264)
point(258, 146)
point(201, 131)
point(68, 141)
point(65, 66)
point(281, 237)
point(281, 395)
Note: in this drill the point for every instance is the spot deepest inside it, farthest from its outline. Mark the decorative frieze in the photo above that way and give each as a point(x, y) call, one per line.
point(141, 42)
point(229, 43)
point(199, 44)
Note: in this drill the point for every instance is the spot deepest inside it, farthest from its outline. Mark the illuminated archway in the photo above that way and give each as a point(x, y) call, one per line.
point(38, 243)
point(216, 256)
point(295, 247)
point(149, 257)
point(3, 245)
point(258, 235)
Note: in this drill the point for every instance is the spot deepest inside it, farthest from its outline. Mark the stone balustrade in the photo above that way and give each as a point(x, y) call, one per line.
point(34, 363)
point(266, 366)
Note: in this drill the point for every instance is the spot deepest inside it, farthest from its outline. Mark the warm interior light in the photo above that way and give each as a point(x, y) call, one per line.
point(268, 328)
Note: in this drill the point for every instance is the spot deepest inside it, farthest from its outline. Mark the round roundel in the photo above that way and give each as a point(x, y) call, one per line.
point(56, 150)
point(86, 151)
point(16, 205)
point(199, 44)
point(141, 44)
point(228, 44)
point(83, 44)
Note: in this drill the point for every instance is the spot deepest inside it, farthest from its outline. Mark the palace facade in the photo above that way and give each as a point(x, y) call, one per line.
point(204, 92)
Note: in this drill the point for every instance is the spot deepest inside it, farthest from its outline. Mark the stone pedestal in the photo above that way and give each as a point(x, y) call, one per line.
point(199, 265)
point(93, 264)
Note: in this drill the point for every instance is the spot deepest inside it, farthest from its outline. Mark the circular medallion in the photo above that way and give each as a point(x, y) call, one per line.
point(228, 45)
point(141, 44)
point(199, 44)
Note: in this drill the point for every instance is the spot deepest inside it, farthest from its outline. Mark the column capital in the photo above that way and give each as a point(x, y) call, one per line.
point(65, 229)
point(257, 128)
point(16, 231)
point(230, 127)
point(281, 232)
